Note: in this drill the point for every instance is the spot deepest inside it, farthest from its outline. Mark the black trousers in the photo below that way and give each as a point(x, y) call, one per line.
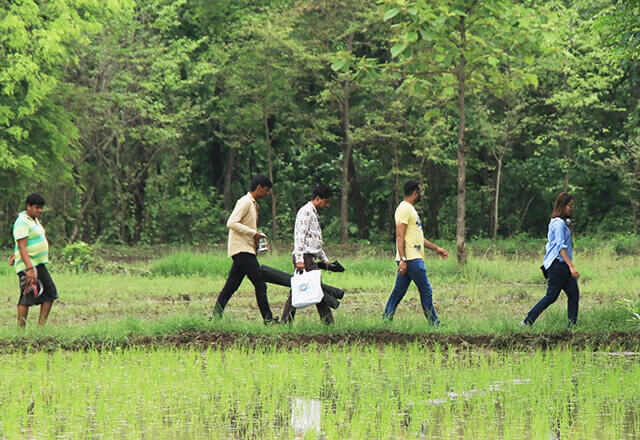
point(245, 263)
point(49, 290)
point(289, 312)
point(559, 279)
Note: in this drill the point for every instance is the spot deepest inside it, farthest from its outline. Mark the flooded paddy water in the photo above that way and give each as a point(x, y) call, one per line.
point(331, 392)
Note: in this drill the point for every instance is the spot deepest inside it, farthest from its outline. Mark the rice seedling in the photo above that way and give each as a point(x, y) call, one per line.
point(363, 392)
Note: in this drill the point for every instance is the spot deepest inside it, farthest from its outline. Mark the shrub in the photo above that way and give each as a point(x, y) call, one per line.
point(79, 257)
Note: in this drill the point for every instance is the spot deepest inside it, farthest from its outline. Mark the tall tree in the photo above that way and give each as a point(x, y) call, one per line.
point(457, 49)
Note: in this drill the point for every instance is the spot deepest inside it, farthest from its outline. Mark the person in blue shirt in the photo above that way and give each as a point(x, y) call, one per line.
point(557, 264)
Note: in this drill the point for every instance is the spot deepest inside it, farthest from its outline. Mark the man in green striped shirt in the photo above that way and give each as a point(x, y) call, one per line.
point(30, 260)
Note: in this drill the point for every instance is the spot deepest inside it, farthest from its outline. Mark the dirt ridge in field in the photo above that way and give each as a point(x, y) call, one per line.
point(220, 339)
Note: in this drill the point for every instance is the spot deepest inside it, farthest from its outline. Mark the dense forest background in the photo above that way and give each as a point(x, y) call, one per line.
point(143, 121)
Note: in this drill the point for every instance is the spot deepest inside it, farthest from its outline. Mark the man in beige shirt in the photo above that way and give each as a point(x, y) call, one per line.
point(242, 245)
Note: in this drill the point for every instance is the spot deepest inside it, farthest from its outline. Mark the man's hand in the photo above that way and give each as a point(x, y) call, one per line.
point(300, 267)
point(443, 254)
point(402, 267)
point(256, 238)
point(574, 272)
point(32, 276)
point(12, 260)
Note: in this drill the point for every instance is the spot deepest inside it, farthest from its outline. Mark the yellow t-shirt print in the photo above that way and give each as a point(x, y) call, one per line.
point(413, 237)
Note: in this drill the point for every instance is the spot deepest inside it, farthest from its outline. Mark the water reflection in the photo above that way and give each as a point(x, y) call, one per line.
point(305, 416)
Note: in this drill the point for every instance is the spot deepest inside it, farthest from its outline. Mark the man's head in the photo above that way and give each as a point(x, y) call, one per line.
point(321, 195)
point(412, 191)
point(35, 204)
point(260, 186)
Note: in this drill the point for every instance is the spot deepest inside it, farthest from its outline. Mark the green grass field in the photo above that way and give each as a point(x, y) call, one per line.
point(174, 291)
point(129, 352)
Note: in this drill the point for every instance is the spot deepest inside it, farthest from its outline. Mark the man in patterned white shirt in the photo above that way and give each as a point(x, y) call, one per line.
point(308, 247)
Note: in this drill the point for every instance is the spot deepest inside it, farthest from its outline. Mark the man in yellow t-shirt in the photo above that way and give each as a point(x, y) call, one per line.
point(410, 244)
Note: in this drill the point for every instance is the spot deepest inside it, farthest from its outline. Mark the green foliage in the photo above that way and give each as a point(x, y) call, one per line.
point(78, 257)
point(142, 122)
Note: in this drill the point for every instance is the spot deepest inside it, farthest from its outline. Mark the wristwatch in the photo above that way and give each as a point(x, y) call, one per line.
point(403, 258)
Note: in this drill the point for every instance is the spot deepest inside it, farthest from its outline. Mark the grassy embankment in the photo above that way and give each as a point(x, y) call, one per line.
point(164, 297)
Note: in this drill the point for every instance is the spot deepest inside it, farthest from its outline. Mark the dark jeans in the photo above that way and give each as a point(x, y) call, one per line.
point(559, 279)
point(289, 312)
point(244, 263)
point(416, 272)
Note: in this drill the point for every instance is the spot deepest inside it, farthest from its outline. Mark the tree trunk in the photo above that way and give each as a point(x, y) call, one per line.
point(346, 154)
point(228, 175)
point(462, 158)
point(358, 202)
point(396, 189)
point(566, 172)
point(81, 213)
point(140, 189)
point(267, 135)
point(432, 227)
point(524, 214)
point(494, 232)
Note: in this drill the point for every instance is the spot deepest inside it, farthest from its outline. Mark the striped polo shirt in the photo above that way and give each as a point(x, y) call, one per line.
point(37, 244)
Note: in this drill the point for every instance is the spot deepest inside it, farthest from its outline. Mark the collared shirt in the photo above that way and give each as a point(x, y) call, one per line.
point(37, 244)
point(307, 234)
point(243, 225)
point(558, 238)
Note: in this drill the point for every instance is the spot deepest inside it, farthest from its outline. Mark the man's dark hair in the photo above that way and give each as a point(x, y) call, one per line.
point(35, 199)
point(260, 180)
point(410, 187)
point(322, 191)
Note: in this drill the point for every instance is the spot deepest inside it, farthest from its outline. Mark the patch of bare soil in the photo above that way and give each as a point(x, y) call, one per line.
point(200, 339)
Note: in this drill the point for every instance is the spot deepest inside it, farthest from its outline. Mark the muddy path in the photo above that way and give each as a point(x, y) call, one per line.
point(614, 341)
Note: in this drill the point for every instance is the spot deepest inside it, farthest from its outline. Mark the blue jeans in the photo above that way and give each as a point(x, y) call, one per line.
point(416, 272)
point(559, 279)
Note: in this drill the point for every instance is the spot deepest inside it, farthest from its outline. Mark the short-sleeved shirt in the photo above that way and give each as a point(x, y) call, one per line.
point(37, 244)
point(558, 238)
point(413, 237)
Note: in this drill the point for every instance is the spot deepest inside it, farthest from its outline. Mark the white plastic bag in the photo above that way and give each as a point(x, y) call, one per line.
point(306, 289)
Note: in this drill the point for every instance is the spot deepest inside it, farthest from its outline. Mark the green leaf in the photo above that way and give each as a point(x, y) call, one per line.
point(448, 91)
point(338, 65)
point(391, 13)
point(493, 61)
point(412, 36)
point(426, 35)
point(397, 49)
point(532, 79)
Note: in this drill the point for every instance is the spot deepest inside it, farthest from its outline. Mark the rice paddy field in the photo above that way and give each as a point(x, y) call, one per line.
point(357, 392)
point(130, 352)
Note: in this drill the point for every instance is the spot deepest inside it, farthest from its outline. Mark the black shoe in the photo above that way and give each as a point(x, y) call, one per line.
point(335, 267)
point(272, 321)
